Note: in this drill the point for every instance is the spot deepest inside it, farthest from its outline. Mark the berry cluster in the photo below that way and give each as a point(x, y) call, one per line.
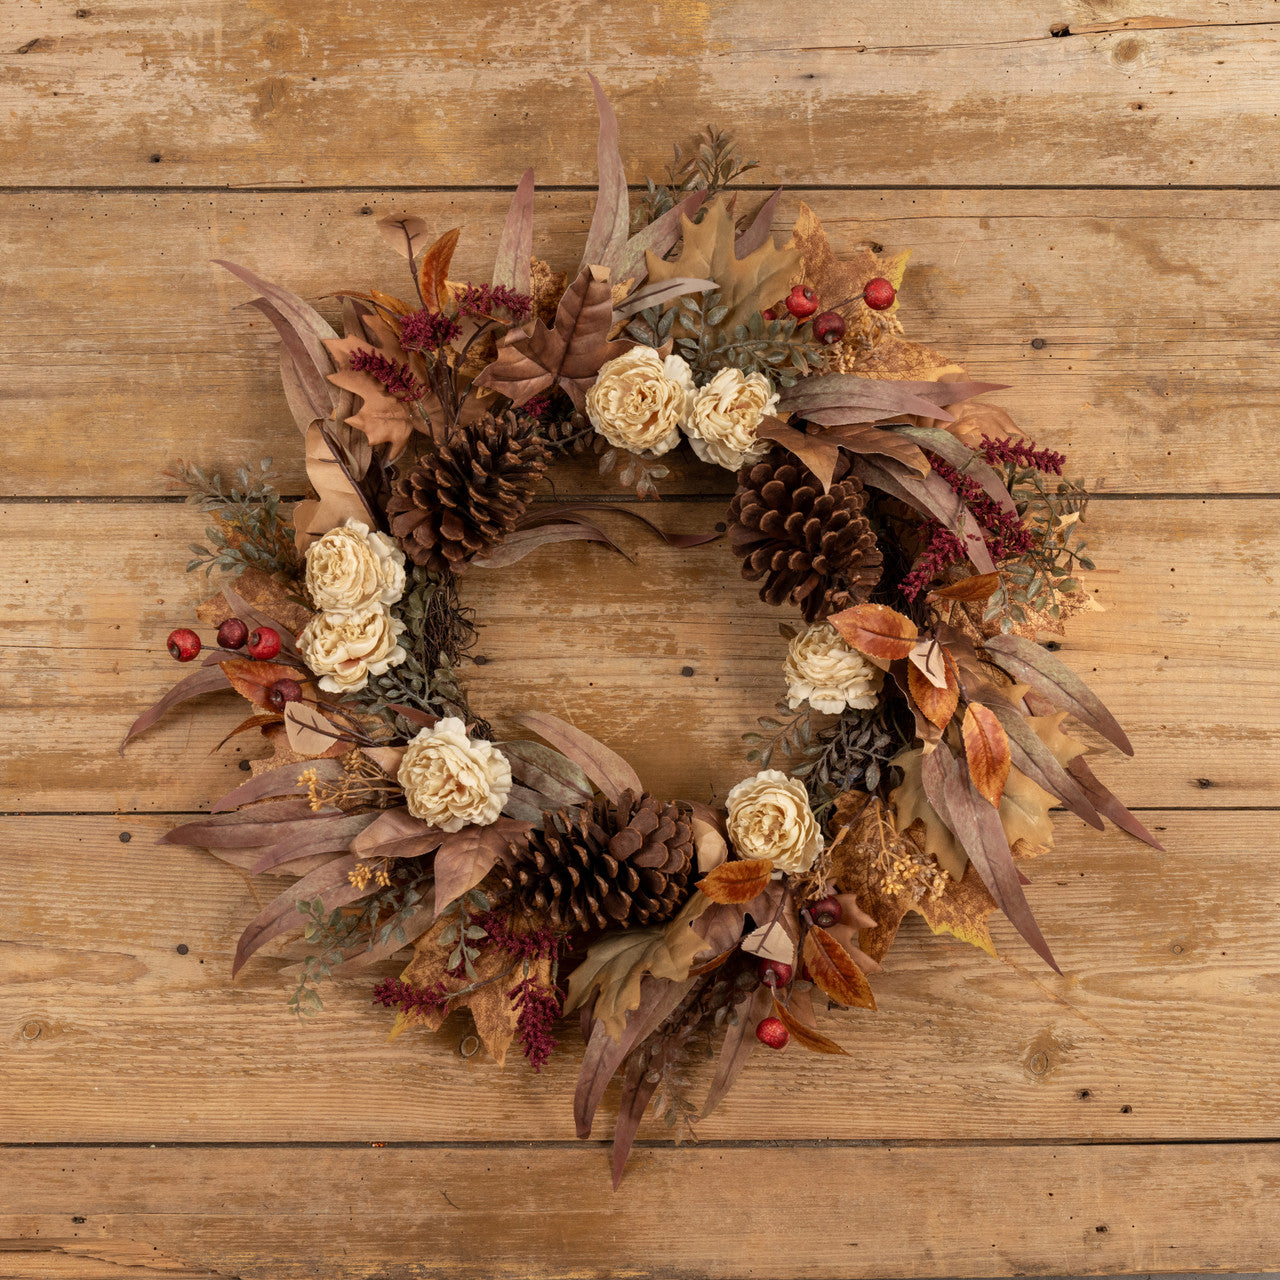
point(829, 326)
point(262, 644)
point(772, 1032)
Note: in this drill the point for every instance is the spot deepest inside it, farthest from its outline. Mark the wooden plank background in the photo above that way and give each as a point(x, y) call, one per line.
point(1090, 174)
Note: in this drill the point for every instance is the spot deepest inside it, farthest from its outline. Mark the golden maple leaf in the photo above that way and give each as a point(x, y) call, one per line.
point(962, 910)
point(839, 282)
point(747, 285)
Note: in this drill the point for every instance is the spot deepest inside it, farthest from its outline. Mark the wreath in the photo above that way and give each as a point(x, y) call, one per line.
point(919, 539)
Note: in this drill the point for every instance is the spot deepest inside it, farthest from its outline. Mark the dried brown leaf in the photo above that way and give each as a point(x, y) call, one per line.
point(738, 881)
point(805, 1037)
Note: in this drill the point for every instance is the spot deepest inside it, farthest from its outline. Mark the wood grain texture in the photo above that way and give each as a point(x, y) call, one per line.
point(1182, 654)
point(1162, 1028)
point(989, 1211)
point(1155, 311)
point(923, 94)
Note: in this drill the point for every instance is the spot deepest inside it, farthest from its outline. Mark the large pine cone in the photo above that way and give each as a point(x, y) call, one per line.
point(604, 865)
point(463, 497)
point(814, 549)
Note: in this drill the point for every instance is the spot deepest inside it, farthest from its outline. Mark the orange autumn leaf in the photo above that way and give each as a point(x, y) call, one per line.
point(936, 705)
point(981, 586)
point(832, 968)
point(433, 269)
point(733, 882)
point(253, 680)
point(883, 634)
point(986, 747)
point(804, 1036)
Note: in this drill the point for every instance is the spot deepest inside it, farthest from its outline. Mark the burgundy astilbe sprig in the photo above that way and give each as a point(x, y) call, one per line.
point(539, 1009)
point(398, 381)
point(941, 551)
point(1006, 535)
point(1022, 453)
point(534, 945)
point(537, 405)
point(428, 330)
point(395, 993)
point(486, 299)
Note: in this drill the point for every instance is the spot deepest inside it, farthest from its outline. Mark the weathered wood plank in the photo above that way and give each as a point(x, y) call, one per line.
point(992, 1211)
point(1155, 310)
point(1162, 1028)
point(827, 93)
point(1183, 655)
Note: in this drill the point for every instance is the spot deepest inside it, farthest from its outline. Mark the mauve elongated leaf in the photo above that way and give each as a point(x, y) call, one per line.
point(512, 260)
point(607, 238)
point(1029, 755)
point(638, 1086)
point(310, 326)
point(604, 1055)
point(281, 914)
point(295, 395)
point(333, 837)
point(976, 825)
point(931, 495)
point(246, 828)
point(683, 540)
point(845, 397)
point(524, 805)
point(964, 459)
point(198, 683)
point(659, 237)
point(608, 770)
point(467, 856)
point(281, 781)
point(311, 381)
point(1108, 805)
point(547, 772)
point(658, 292)
point(397, 834)
point(859, 438)
point(739, 1044)
point(1029, 663)
point(758, 232)
point(515, 546)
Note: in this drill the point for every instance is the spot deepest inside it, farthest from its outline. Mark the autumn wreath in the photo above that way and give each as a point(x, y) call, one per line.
point(921, 539)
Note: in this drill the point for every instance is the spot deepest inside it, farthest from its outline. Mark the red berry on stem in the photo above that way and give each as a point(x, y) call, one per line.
point(283, 691)
point(879, 294)
point(184, 644)
point(771, 1031)
point(769, 314)
point(826, 912)
point(264, 643)
point(232, 634)
point(802, 302)
point(828, 327)
point(773, 973)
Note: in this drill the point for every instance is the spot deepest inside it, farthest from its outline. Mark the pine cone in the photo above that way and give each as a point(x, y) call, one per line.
point(815, 549)
point(604, 865)
point(465, 496)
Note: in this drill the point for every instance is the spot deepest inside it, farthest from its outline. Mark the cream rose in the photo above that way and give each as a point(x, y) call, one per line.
point(822, 670)
point(345, 648)
point(452, 781)
point(726, 416)
point(350, 569)
point(639, 401)
point(769, 817)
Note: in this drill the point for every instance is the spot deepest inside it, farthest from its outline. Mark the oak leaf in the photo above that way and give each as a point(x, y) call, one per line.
point(839, 282)
point(569, 354)
point(616, 965)
point(864, 829)
point(337, 499)
point(738, 881)
point(962, 911)
point(707, 251)
point(382, 418)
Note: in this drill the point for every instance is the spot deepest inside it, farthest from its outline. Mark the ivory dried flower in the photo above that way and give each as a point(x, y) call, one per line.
point(822, 670)
point(351, 568)
point(640, 400)
point(345, 648)
point(453, 781)
point(769, 817)
point(726, 418)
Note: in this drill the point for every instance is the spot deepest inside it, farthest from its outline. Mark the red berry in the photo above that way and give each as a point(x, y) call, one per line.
point(879, 294)
point(770, 1031)
point(773, 973)
point(770, 315)
point(828, 327)
point(184, 644)
point(826, 912)
point(802, 302)
point(264, 643)
point(232, 634)
point(283, 691)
